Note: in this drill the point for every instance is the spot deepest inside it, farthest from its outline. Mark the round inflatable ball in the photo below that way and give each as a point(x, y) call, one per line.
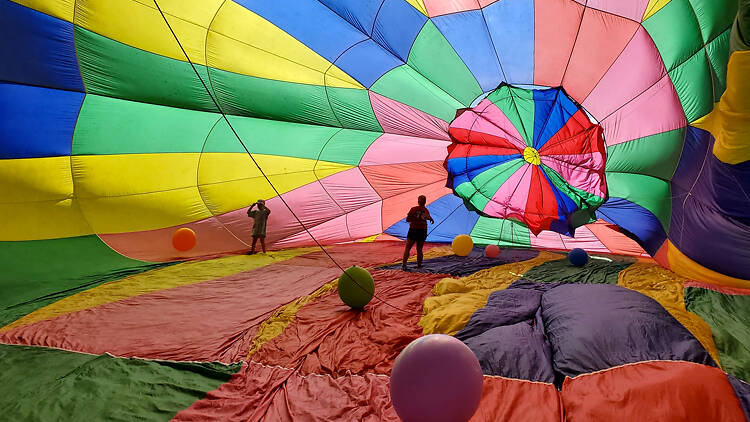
point(356, 287)
point(436, 378)
point(578, 257)
point(184, 239)
point(462, 245)
point(492, 251)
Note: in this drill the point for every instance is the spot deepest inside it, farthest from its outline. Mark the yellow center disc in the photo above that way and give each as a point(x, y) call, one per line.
point(531, 155)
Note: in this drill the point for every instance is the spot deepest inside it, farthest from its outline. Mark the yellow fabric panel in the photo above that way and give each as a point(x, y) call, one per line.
point(140, 25)
point(62, 9)
point(182, 274)
point(419, 5)
point(454, 300)
point(666, 287)
point(653, 7)
point(42, 220)
point(243, 42)
point(36, 200)
point(229, 181)
point(729, 122)
point(686, 267)
point(284, 316)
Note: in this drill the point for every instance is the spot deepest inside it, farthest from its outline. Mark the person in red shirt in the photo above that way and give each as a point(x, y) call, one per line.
point(417, 219)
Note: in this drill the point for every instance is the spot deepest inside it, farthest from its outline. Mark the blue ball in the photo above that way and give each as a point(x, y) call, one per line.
point(578, 257)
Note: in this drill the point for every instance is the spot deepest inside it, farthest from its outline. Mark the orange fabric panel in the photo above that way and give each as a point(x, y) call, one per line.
point(505, 399)
point(652, 391)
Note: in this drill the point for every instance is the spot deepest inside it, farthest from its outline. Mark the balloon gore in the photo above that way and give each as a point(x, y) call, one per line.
point(578, 257)
point(492, 251)
point(356, 287)
point(462, 245)
point(184, 239)
point(436, 378)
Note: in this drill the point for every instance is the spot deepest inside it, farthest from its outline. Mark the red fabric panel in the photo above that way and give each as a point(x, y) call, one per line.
point(652, 391)
point(395, 207)
point(475, 137)
point(600, 41)
point(575, 137)
point(394, 179)
point(505, 399)
point(554, 35)
point(541, 205)
point(465, 150)
point(212, 320)
point(263, 393)
point(327, 337)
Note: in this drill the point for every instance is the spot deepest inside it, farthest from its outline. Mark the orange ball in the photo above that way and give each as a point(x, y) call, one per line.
point(184, 239)
point(492, 251)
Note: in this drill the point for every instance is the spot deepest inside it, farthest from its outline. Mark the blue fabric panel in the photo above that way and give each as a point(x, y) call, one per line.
point(451, 219)
point(397, 26)
point(638, 221)
point(711, 208)
point(552, 109)
point(467, 33)
point(477, 164)
point(366, 62)
point(565, 205)
point(37, 49)
point(511, 25)
point(360, 13)
point(310, 22)
point(742, 390)
point(37, 122)
point(592, 327)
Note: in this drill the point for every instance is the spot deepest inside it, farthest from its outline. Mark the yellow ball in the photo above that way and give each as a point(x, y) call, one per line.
point(462, 245)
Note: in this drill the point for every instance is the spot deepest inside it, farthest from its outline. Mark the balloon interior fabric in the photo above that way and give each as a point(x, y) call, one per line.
point(135, 135)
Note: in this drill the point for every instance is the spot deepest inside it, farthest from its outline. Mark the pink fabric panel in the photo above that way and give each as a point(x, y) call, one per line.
point(396, 149)
point(401, 119)
point(621, 84)
point(584, 239)
point(484, 3)
point(395, 179)
point(156, 245)
point(547, 240)
point(630, 9)
point(443, 7)
point(511, 197)
point(350, 189)
point(576, 170)
point(490, 120)
point(655, 111)
point(357, 224)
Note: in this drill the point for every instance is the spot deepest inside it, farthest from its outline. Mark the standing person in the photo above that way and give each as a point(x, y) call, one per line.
point(259, 225)
point(417, 219)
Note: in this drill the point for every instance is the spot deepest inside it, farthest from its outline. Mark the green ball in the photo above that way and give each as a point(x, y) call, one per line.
point(356, 287)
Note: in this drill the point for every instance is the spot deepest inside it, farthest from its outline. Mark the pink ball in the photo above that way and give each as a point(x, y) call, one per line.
point(436, 378)
point(492, 251)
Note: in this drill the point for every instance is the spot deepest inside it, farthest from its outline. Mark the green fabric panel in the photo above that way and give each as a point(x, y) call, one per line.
point(718, 56)
point(693, 82)
point(501, 232)
point(468, 190)
point(43, 384)
point(270, 99)
point(654, 155)
point(348, 146)
point(405, 85)
point(714, 16)
point(353, 109)
point(114, 69)
point(432, 56)
point(729, 319)
point(675, 32)
point(649, 192)
point(489, 181)
point(114, 126)
point(577, 195)
point(518, 105)
point(38, 272)
point(596, 271)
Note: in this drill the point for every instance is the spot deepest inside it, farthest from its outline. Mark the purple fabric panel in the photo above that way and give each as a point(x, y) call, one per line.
point(465, 265)
point(711, 208)
point(595, 327)
point(742, 390)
